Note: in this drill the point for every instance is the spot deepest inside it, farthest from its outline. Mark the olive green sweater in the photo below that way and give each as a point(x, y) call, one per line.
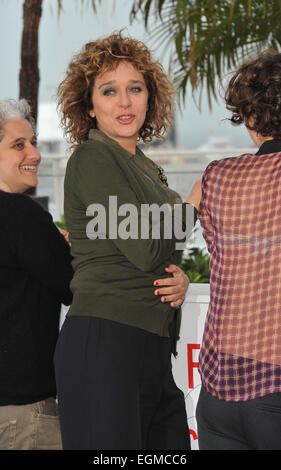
point(113, 276)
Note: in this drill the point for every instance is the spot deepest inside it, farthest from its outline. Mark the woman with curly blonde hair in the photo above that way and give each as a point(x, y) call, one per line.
point(113, 358)
point(75, 92)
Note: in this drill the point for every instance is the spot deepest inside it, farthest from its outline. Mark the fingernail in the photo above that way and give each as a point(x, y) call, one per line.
point(163, 299)
point(156, 283)
point(156, 292)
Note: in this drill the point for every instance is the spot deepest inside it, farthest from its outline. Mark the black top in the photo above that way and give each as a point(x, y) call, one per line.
point(269, 146)
point(35, 272)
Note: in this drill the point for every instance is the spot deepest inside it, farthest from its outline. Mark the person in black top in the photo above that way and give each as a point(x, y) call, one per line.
point(35, 272)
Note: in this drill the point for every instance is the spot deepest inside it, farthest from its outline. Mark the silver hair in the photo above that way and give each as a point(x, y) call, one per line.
point(15, 109)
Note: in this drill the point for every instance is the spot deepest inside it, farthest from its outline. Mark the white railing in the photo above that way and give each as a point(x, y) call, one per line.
point(176, 162)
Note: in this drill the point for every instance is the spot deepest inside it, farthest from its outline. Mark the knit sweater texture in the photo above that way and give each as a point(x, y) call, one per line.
point(114, 276)
point(35, 272)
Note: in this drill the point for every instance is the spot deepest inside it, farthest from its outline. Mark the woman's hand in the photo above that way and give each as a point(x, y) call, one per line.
point(175, 287)
point(195, 196)
point(66, 235)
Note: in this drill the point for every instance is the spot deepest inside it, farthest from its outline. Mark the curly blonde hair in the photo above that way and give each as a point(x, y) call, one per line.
point(98, 57)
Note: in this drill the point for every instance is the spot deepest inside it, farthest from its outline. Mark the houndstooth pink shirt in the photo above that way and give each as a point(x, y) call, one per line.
point(240, 212)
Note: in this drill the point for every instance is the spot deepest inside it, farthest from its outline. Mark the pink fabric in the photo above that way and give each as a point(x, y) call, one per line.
point(240, 213)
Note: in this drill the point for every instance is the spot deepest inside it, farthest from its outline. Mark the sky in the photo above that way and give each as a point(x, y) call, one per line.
point(62, 37)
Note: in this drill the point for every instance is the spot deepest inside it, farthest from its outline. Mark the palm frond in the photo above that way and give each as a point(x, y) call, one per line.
point(210, 37)
point(92, 2)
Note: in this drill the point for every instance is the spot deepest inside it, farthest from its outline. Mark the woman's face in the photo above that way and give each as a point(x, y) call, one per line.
point(119, 99)
point(19, 158)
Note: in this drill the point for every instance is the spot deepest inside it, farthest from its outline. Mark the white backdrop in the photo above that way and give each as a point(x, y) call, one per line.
point(185, 371)
point(185, 366)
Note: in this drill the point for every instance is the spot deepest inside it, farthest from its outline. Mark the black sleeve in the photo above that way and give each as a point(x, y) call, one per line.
point(42, 250)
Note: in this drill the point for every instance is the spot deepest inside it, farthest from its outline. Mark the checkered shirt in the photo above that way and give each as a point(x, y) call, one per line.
point(240, 213)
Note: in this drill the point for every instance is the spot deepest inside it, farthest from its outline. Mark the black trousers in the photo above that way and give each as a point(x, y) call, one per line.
point(249, 425)
point(116, 389)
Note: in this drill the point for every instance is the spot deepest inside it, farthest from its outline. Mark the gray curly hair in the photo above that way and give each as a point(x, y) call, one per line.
point(14, 109)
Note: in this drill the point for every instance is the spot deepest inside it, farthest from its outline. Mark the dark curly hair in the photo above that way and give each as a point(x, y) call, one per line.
point(253, 95)
point(97, 57)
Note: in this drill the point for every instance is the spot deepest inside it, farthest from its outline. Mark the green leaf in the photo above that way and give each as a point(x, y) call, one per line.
point(196, 266)
point(61, 223)
point(210, 36)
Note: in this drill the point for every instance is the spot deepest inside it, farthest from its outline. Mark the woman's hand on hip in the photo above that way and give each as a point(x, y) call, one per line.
point(174, 288)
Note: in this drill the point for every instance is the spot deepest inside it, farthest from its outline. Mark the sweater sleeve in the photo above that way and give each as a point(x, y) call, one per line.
point(97, 178)
point(41, 249)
